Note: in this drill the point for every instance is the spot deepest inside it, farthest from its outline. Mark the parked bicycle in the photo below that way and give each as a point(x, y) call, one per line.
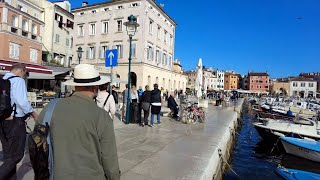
point(195, 114)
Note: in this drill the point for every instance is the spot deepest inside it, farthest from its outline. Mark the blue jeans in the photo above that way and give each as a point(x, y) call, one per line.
point(152, 118)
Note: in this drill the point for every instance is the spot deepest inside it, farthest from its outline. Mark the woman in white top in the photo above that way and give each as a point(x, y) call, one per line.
point(134, 100)
point(106, 101)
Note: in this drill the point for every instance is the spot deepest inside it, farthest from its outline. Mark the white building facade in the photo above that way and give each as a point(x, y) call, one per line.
point(99, 27)
point(303, 87)
point(58, 33)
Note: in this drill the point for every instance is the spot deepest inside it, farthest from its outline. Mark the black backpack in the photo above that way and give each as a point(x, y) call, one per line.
point(40, 149)
point(5, 99)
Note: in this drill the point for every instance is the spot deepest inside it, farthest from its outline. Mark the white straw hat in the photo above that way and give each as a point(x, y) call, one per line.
point(86, 75)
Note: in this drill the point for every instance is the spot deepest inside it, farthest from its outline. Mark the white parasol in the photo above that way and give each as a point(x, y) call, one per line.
point(199, 79)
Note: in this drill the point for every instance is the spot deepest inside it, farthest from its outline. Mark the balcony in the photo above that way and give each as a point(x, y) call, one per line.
point(24, 33)
point(33, 36)
point(14, 29)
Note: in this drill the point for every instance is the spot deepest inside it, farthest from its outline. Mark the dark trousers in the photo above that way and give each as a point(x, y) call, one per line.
point(175, 112)
point(134, 113)
point(146, 116)
point(13, 140)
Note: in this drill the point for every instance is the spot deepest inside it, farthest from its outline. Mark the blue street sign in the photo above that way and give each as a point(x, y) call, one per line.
point(111, 58)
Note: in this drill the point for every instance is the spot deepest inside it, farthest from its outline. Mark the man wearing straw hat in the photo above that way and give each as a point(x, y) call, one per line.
point(83, 139)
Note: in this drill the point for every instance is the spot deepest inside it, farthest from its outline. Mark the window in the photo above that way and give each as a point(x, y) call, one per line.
point(82, 13)
point(164, 58)
point(159, 32)
point(14, 50)
point(120, 50)
point(295, 84)
point(91, 52)
point(303, 84)
point(14, 21)
point(67, 42)
point(119, 22)
point(25, 25)
point(120, 7)
point(80, 30)
point(158, 56)
point(94, 11)
point(33, 55)
point(105, 27)
point(134, 4)
point(133, 50)
point(165, 36)
point(57, 39)
point(106, 9)
point(310, 84)
point(150, 53)
point(92, 29)
point(171, 40)
point(34, 29)
point(151, 26)
point(103, 50)
point(170, 61)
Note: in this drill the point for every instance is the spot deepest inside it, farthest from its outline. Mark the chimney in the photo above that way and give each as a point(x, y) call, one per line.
point(84, 3)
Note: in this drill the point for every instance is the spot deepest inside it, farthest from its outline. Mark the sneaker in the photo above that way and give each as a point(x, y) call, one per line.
point(159, 123)
point(150, 125)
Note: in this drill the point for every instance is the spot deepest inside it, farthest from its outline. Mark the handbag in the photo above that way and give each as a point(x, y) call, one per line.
point(145, 106)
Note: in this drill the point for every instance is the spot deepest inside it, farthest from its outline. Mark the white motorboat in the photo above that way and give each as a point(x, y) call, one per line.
point(303, 148)
point(270, 129)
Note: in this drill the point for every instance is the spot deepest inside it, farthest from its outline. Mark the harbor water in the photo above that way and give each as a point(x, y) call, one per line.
point(252, 158)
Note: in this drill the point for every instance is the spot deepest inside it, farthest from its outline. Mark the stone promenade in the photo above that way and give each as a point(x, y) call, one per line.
point(168, 151)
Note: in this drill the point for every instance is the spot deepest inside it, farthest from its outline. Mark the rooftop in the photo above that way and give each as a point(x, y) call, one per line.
point(302, 79)
point(258, 74)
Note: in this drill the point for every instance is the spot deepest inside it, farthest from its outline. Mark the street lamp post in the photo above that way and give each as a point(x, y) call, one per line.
point(131, 26)
point(79, 51)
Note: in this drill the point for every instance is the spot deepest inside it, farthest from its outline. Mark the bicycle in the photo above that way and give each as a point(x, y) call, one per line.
point(195, 114)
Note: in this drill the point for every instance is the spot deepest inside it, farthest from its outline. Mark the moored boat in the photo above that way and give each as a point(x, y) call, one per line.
point(303, 148)
point(293, 174)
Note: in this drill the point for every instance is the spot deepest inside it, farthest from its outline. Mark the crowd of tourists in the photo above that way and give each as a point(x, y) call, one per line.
point(73, 137)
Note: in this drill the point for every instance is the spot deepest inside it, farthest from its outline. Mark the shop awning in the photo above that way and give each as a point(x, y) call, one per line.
point(6, 66)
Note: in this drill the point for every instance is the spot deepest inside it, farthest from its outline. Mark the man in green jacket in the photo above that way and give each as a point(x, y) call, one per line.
point(83, 140)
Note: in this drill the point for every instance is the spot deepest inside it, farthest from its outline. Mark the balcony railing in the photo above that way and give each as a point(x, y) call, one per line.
point(18, 31)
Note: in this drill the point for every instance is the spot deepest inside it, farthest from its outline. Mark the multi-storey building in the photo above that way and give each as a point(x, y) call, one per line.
point(303, 87)
point(192, 75)
point(58, 38)
point(315, 76)
point(245, 83)
point(99, 27)
point(258, 81)
point(20, 32)
point(280, 86)
point(218, 80)
point(230, 81)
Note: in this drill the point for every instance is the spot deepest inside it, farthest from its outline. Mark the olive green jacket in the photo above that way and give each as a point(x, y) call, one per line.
point(84, 145)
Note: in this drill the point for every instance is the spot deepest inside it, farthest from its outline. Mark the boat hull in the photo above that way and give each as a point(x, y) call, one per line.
point(301, 151)
point(293, 174)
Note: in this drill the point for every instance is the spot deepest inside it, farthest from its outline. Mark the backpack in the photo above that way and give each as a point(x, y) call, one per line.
point(40, 147)
point(5, 100)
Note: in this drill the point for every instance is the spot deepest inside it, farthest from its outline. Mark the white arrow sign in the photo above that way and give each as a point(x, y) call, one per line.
point(111, 55)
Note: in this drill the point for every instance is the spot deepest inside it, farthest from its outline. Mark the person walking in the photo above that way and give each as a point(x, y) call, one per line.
point(83, 138)
point(106, 101)
point(124, 100)
point(13, 129)
point(115, 94)
point(156, 102)
point(145, 104)
point(134, 100)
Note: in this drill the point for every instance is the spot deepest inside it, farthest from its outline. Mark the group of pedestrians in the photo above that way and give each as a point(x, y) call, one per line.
point(145, 101)
point(81, 128)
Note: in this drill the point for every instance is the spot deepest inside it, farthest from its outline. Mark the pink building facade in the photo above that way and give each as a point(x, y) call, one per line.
point(258, 81)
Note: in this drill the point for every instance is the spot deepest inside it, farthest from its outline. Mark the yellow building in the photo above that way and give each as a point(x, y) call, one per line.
point(230, 81)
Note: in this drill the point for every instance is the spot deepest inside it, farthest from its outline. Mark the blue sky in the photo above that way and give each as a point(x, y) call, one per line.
point(278, 36)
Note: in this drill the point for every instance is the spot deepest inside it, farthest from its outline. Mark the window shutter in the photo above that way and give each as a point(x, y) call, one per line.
point(94, 52)
point(17, 51)
point(100, 52)
point(87, 54)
